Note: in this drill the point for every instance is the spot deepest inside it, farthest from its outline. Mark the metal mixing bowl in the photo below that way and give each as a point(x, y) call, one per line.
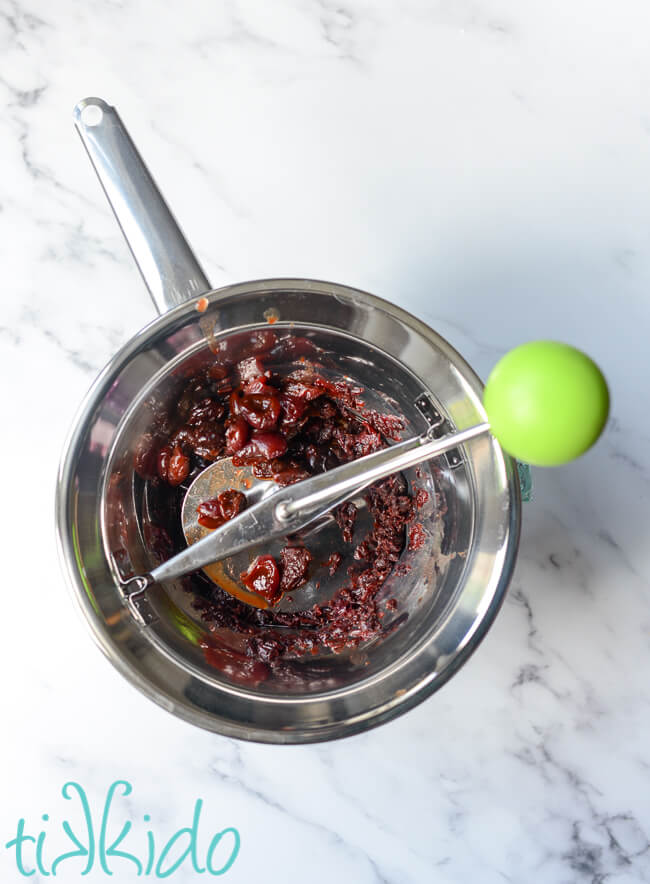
point(457, 580)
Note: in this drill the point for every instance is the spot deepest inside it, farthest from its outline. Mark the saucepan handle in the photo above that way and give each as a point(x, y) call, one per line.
point(168, 266)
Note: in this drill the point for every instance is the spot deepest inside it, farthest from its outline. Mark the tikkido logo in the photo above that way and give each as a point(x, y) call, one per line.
point(96, 848)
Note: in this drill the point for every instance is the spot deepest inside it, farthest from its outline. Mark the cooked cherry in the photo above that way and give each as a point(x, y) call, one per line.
point(218, 510)
point(232, 502)
point(210, 515)
point(259, 384)
point(234, 664)
point(237, 433)
point(173, 465)
point(205, 411)
point(262, 340)
point(207, 441)
point(262, 446)
point(183, 437)
point(263, 470)
point(292, 408)
point(353, 445)
point(263, 577)
point(301, 390)
point(289, 475)
point(228, 350)
point(249, 368)
point(163, 461)
point(260, 410)
point(389, 425)
point(218, 372)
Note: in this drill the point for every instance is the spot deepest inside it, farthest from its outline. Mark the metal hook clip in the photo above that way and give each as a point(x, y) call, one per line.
point(136, 599)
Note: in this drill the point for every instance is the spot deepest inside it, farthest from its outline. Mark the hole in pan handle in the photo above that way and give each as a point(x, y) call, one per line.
point(168, 266)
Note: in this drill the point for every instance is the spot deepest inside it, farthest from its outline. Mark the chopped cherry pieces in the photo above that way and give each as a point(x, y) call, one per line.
point(295, 565)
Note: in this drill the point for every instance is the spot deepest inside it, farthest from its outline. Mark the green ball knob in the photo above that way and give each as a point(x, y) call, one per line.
point(547, 402)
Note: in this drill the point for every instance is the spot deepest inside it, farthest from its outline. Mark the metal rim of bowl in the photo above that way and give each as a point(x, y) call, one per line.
point(68, 557)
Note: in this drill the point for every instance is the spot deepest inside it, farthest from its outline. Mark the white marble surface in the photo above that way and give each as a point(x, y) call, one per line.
point(485, 164)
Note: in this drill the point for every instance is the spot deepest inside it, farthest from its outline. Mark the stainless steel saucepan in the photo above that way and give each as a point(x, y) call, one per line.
point(446, 597)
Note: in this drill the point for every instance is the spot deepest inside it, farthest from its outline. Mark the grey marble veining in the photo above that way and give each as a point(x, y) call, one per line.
point(487, 166)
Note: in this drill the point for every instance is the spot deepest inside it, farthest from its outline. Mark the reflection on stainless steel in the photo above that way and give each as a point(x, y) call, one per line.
point(457, 580)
